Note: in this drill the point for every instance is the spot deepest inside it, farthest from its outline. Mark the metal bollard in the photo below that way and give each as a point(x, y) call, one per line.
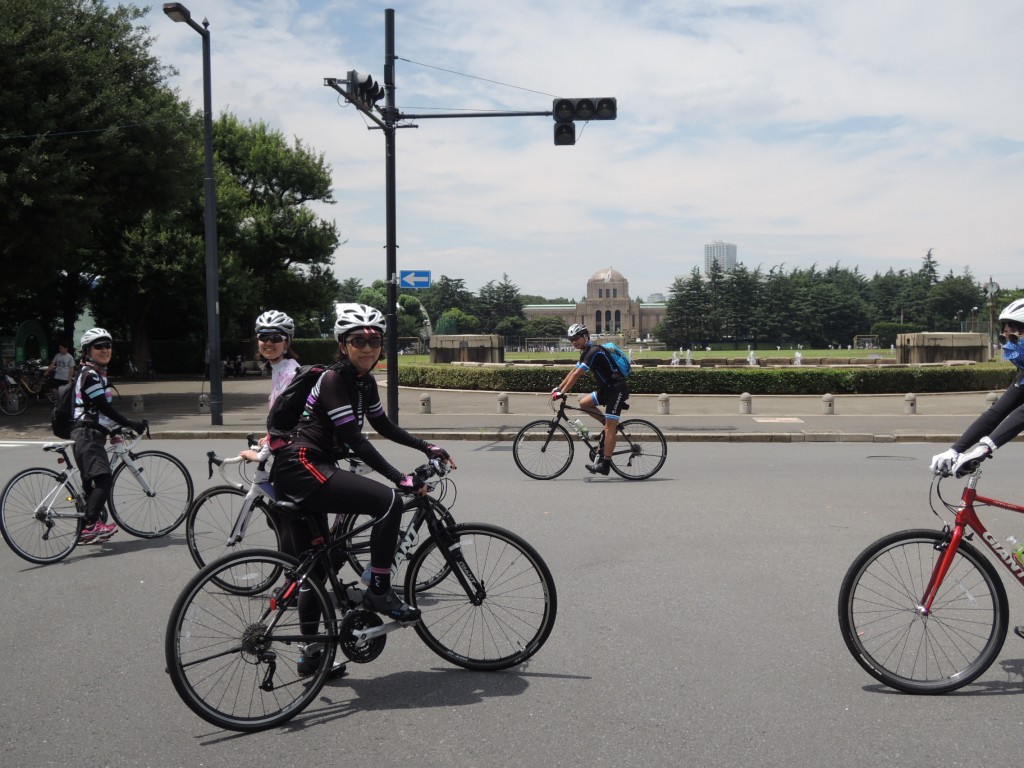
point(664, 406)
point(991, 398)
point(424, 403)
point(910, 403)
point(503, 402)
point(828, 404)
point(137, 404)
point(746, 402)
point(204, 403)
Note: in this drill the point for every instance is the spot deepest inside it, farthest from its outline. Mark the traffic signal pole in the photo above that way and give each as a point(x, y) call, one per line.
point(364, 93)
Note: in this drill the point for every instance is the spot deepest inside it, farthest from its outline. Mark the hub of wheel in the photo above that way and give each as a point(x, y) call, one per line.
point(254, 642)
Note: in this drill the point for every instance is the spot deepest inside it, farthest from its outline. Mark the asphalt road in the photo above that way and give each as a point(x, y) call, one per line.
point(696, 626)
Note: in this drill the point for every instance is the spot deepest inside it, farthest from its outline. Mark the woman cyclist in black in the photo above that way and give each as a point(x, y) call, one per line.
point(305, 469)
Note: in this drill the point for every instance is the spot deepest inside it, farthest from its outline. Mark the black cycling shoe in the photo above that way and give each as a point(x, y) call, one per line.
point(309, 661)
point(391, 605)
point(600, 467)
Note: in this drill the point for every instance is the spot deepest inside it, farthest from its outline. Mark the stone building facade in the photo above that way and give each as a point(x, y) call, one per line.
point(607, 309)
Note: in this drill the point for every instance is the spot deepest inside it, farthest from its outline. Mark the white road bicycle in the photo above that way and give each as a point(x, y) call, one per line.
point(42, 511)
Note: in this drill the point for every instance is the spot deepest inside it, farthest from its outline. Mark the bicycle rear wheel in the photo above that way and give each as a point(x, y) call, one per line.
point(889, 636)
point(506, 621)
point(640, 450)
point(212, 517)
point(40, 519)
point(543, 450)
point(158, 512)
point(233, 658)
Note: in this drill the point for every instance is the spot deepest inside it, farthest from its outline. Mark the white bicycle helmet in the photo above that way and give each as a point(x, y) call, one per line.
point(352, 317)
point(93, 335)
point(273, 321)
point(576, 329)
point(1014, 312)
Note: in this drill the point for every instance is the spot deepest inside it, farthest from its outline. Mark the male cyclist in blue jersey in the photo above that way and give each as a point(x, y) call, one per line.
point(612, 391)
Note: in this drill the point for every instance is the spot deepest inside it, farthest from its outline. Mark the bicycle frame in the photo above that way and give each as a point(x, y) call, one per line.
point(71, 477)
point(967, 518)
point(428, 510)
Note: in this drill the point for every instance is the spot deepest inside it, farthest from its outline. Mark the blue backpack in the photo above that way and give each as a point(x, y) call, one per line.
point(619, 357)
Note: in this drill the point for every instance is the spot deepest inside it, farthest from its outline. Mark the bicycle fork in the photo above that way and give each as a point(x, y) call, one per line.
point(948, 547)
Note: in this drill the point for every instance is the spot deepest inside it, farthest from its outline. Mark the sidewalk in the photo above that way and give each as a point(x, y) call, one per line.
point(173, 409)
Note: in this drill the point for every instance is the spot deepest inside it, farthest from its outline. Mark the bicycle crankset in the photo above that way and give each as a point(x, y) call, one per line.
point(352, 640)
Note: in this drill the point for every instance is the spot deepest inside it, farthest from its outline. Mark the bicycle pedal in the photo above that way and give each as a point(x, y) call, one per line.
point(1019, 631)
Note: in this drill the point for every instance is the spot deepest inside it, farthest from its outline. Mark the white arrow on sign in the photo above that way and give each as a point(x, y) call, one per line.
point(414, 278)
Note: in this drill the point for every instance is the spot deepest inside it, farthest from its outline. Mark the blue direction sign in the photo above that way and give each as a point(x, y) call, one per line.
point(414, 278)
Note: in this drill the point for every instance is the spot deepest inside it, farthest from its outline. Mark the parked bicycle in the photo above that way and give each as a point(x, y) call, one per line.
point(543, 449)
point(22, 384)
point(232, 640)
point(924, 611)
point(42, 511)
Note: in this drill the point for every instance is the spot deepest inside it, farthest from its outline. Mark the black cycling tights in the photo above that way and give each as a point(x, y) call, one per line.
point(344, 492)
point(97, 490)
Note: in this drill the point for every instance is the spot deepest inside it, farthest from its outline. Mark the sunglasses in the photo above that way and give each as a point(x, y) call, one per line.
point(1013, 338)
point(102, 345)
point(359, 342)
point(271, 338)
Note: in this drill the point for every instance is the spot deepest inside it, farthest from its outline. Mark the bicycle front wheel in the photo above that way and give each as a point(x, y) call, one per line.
point(543, 450)
point(39, 516)
point(151, 498)
point(13, 401)
point(212, 518)
point(640, 449)
point(886, 630)
point(233, 659)
point(510, 613)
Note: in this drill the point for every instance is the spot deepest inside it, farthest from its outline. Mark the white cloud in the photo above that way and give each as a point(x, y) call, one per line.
point(805, 132)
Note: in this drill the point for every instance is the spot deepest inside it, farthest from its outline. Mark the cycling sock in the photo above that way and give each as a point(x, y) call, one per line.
point(380, 580)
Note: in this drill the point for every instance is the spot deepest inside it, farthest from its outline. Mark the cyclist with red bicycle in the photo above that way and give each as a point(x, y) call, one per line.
point(1005, 419)
point(612, 393)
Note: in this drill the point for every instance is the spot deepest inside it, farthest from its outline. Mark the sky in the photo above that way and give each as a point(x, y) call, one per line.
point(807, 133)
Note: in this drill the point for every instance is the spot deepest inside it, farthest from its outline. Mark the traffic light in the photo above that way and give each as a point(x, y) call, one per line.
point(364, 88)
point(566, 111)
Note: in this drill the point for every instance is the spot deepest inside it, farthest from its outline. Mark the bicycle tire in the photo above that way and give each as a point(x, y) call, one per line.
point(211, 519)
point(150, 517)
point(640, 450)
point(515, 615)
point(14, 401)
point(543, 450)
point(20, 523)
point(889, 637)
point(220, 656)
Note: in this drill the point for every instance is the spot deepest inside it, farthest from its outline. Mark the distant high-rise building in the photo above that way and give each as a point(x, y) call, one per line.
point(723, 253)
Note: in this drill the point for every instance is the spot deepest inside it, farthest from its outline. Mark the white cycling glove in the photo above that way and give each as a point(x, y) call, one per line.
point(943, 462)
point(978, 453)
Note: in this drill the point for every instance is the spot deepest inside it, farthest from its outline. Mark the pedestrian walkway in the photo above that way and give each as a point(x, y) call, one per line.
point(173, 407)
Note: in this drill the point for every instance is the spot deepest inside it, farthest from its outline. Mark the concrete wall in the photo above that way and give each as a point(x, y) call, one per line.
point(919, 348)
point(467, 348)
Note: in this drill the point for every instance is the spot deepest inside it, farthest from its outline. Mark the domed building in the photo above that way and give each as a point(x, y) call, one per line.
point(607, 309)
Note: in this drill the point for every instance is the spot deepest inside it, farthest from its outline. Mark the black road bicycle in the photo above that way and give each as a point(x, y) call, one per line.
point(486, 597)
point(543, 449)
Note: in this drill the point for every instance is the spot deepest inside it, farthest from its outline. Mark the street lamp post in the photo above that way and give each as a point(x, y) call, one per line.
point(178, 12)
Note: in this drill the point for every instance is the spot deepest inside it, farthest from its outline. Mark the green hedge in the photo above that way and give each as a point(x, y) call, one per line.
point(723, 381)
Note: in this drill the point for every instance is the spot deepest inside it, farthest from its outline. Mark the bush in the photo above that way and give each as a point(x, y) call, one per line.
point(723, 381)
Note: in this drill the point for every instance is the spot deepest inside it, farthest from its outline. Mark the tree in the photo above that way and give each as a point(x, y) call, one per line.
point(273, 251)
point(498, 302)
point(444, 294)
point(94, 141)
point(349, 291)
